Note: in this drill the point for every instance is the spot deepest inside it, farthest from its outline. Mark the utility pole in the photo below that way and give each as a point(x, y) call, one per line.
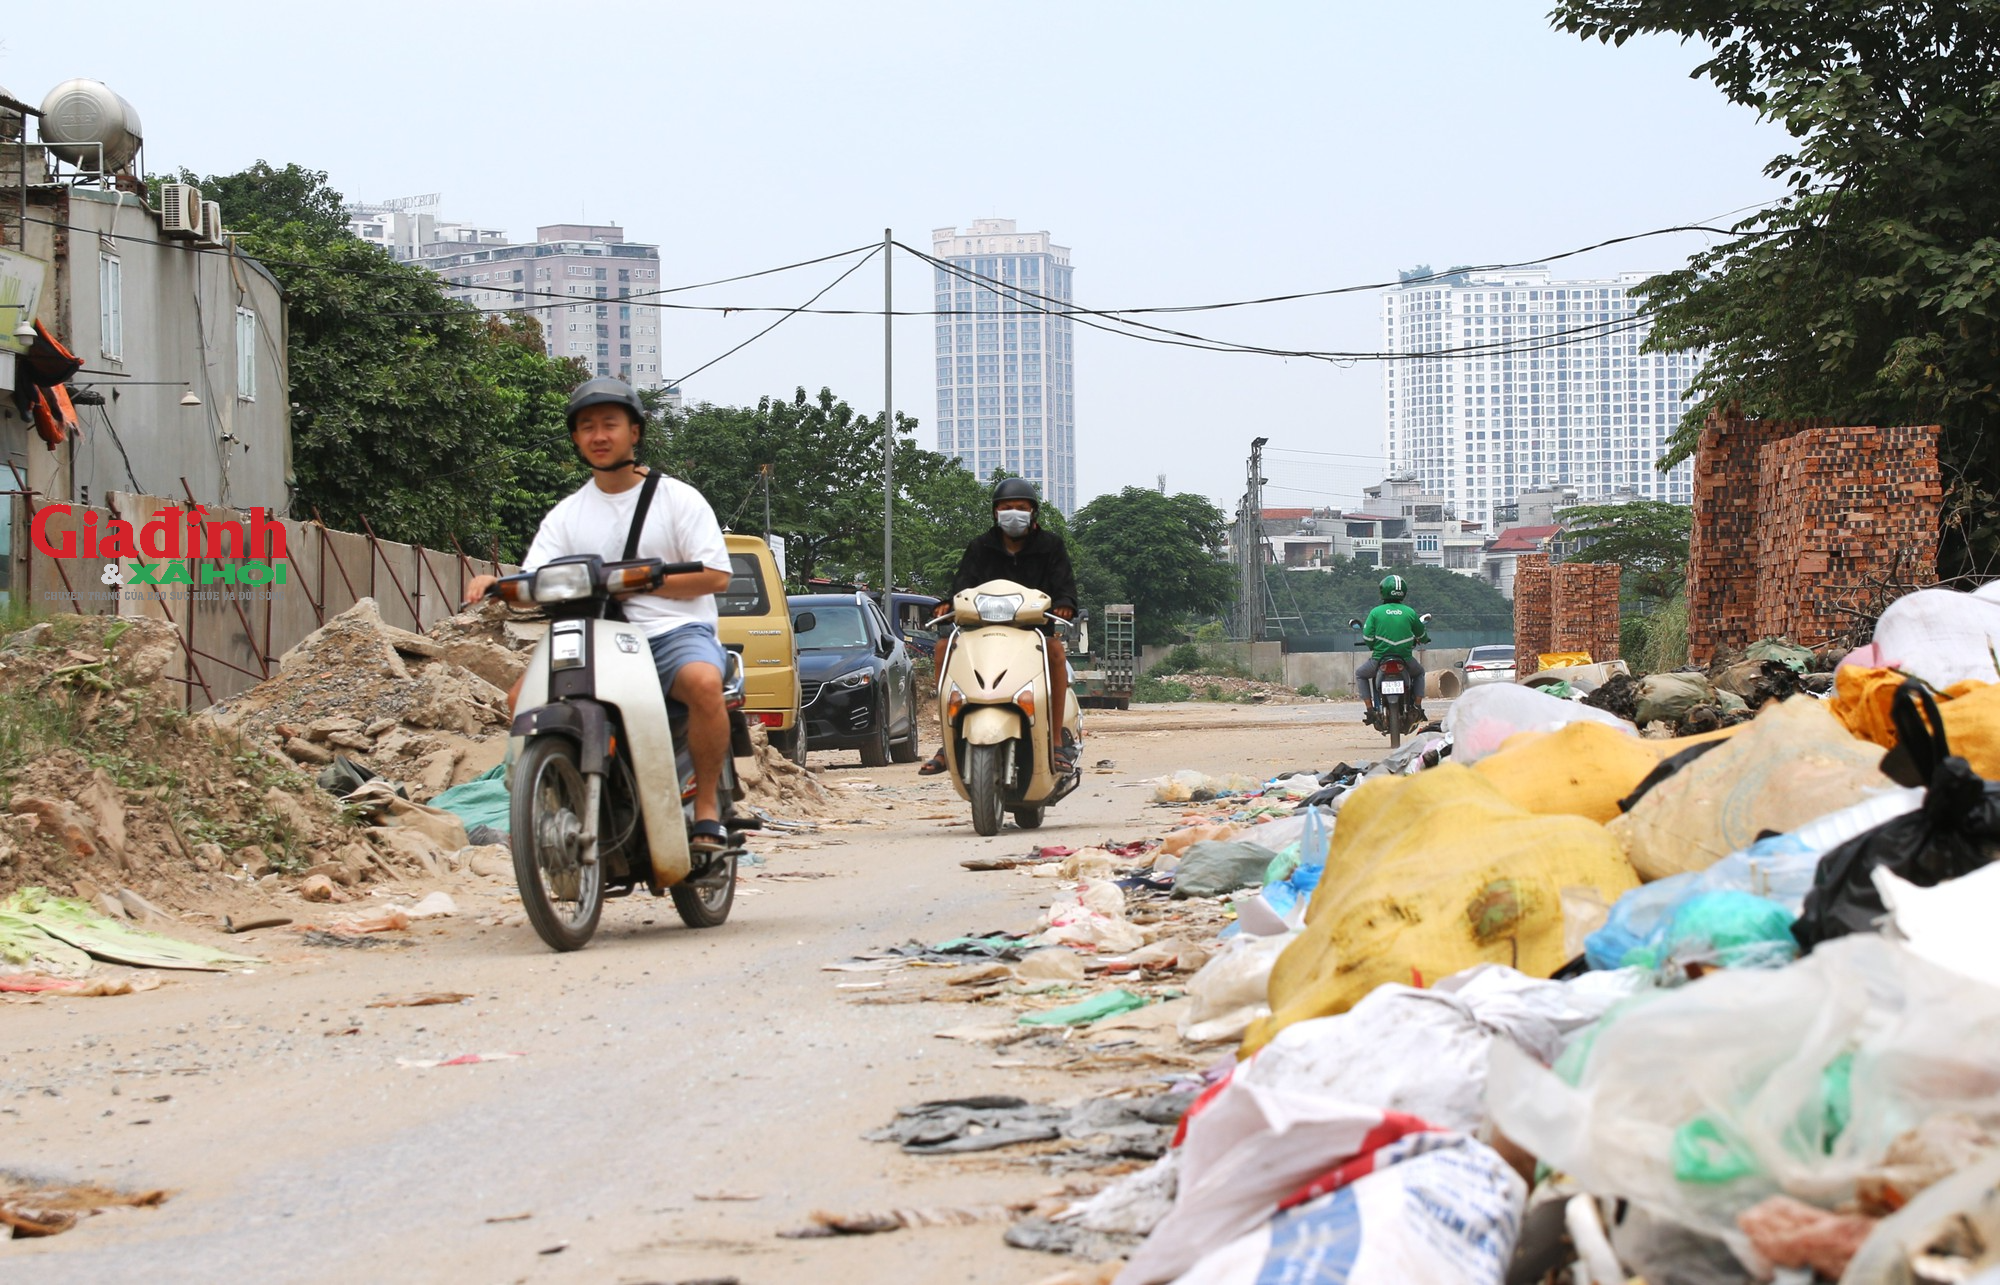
point(1250, 547)
point(765, 469)
point(888, 426)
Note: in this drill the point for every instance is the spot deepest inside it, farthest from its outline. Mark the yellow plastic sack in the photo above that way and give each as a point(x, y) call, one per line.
point(1582, 769)
point(1971, 712)
point(1795, 762)
point(1430, 875)
point(1561, 659)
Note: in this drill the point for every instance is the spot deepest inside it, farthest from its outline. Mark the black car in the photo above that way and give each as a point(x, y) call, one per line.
point(856, 691)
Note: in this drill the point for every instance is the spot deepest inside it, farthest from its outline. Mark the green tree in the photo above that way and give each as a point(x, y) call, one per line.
point(1648, 538)
point(264, 196)
point(414, 413)
point(1871, 292)
point(1166, 550)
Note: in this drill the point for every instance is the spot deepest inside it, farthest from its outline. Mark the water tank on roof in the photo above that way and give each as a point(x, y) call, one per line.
point(87, 124)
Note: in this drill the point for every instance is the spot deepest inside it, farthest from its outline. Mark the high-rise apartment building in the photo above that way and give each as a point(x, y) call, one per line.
point(1534, 383)
point(592, 267)
point(1005, 367)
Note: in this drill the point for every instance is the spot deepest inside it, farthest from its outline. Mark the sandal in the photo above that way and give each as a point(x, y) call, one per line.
point(934, 765)
point(708, 837)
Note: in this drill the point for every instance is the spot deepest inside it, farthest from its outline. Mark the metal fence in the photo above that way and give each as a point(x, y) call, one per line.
point(232, 636)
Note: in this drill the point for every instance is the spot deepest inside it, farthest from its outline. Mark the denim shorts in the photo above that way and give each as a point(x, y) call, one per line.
point(686, 645)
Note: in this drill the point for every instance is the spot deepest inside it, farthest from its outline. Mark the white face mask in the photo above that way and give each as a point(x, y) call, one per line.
point(1014, 522)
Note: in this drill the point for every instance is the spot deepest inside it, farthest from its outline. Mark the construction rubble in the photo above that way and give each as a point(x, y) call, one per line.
point(1682, 979)
point(369, 765)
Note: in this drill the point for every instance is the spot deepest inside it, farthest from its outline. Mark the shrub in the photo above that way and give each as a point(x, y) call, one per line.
point(1184, 659)
point(1309, 689)
point(1157, 691)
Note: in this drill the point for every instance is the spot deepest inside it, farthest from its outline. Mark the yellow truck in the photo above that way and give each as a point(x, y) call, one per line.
point(756, 622)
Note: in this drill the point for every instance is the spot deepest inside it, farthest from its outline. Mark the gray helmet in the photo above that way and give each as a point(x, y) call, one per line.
point(605, 391)
point(1016, 488)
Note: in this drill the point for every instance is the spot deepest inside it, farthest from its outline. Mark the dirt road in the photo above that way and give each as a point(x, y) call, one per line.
point(661, 1068)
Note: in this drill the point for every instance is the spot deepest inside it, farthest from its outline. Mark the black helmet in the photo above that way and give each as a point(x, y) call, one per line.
point(605, 391)
point(1016, 488)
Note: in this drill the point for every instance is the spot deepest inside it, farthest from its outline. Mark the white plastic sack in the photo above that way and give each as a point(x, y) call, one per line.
point(1385, 1218)
point(1091, 915)
point(1434, 1207)
point(1951, 924)
point(1733, 1072)
point(1232, 990)
point(1487, 715)
point(1423, 1053)
point(1943, 637)
point(1885, 1256)
point(1586, 678)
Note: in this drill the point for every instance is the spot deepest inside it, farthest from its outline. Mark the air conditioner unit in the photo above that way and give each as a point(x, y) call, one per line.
point(211, 223)
point(180, 209)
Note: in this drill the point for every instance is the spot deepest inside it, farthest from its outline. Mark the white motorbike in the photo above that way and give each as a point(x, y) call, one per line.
point(602, 783)
point(993, 691)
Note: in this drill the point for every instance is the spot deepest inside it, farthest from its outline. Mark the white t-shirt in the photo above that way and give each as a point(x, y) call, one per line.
point(680, 527)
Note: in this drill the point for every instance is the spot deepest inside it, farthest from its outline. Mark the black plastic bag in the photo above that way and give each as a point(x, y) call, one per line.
point(1955, 832)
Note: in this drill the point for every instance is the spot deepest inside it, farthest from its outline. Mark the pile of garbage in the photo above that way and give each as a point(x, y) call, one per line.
point(1549, 996)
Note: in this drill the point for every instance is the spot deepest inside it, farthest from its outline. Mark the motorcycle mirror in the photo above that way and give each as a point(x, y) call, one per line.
point(1426, 617)
point(803, 622)
point(1354, 624)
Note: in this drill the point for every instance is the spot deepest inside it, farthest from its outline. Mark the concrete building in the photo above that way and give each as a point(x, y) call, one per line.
point(1534, 383)
point(183, 344)
point(576, 279)
point(1421, 528)
point(1005, 368)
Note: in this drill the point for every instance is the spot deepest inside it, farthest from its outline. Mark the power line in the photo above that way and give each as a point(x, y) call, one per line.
point(851, 270)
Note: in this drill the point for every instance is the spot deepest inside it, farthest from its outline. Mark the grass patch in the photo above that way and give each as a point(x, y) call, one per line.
point(1309, 689)
point(1149, 690)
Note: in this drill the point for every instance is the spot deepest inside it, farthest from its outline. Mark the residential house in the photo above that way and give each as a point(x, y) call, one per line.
point(183, 389)
point(1500, 555)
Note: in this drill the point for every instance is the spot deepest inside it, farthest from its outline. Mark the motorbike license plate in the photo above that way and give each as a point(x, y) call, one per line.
point(1392, 687)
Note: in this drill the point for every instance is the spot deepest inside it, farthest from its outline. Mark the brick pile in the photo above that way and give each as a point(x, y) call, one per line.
point(1722, 582)
point(1837, 507)
point(1534, 610)
point(1586, 608)
point(1793, 519)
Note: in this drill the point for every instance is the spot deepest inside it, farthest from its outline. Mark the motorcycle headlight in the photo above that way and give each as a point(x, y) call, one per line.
point(998, 608)
point(848, 682)
point(564, 582)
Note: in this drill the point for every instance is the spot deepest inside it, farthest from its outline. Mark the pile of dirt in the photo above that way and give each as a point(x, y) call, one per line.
point(426, 710)
point(109, 786)
point(781, 787)
point(1242, 691)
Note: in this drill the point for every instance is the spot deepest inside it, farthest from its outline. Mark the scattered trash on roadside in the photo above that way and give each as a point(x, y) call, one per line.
point(872, 1223)
point(421, 1001)
point(463, 1059)
point(28, 1211)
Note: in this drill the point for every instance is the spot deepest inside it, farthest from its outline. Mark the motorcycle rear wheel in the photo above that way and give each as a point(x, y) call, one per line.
point(1029, 818)
point(984, 768)
point(562, 896)
point(705, 902)
point(1392, 721)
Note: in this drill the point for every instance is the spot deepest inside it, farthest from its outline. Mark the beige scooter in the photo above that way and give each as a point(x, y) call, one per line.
point(993, 696)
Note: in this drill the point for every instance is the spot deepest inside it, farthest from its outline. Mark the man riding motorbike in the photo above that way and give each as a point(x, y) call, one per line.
point(1017, 547)
point(1391, 629)
point(606, 425)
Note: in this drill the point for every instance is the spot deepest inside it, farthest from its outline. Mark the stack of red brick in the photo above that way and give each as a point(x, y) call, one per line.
point(1569, 606)
point(1586, 608)
point(1793, 521)
point(1534, 610)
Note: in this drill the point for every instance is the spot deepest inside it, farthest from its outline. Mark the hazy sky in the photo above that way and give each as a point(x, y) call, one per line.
point(1186, 153)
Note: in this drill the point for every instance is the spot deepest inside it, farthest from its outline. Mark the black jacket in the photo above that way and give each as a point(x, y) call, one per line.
point(1042, 563)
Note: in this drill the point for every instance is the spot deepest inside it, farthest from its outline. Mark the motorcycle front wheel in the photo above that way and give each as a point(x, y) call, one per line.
point(984, 771)
point(562, 896)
